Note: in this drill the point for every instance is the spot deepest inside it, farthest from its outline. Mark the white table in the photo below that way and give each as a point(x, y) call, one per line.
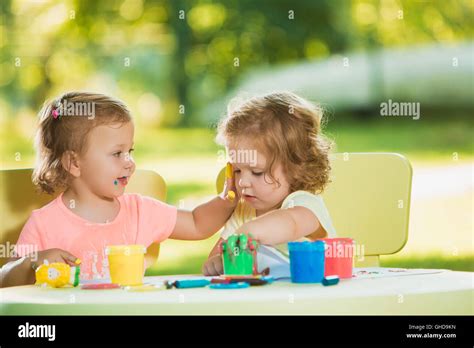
point(444, 292)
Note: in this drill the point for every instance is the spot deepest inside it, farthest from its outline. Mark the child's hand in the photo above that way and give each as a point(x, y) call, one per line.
point(21, 271)
point(250, 230)
point(55, 255)
point(213, 266)
point(229, 192)
point(246, 228)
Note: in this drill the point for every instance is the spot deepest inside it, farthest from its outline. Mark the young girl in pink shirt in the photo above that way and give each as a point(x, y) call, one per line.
point(84, 147)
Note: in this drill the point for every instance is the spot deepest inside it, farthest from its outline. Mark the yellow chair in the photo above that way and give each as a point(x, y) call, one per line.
point(369, 201)
point(18, 198)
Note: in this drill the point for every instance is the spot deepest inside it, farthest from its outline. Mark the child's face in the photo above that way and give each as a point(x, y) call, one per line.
point(107, 165)
point(253, 183)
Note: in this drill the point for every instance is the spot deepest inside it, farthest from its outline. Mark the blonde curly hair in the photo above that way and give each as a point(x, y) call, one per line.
point(287, 129)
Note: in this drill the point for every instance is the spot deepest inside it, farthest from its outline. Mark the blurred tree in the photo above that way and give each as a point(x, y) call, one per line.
point(160, 54)
point(229, 38)
point(182, 32)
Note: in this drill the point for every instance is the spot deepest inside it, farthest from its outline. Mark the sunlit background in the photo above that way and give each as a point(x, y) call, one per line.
point(177, 63)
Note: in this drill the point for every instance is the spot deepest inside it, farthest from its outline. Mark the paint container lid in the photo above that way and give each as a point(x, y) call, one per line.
point(338, 240)
point(125, 249)
point(306, 246)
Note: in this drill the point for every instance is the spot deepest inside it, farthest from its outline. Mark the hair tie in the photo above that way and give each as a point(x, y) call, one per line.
point(56, 111)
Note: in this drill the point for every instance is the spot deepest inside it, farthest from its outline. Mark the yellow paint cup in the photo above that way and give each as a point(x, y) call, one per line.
point(126, 263)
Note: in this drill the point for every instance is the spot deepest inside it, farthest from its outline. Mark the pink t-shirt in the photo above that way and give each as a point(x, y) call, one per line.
point(141, 220)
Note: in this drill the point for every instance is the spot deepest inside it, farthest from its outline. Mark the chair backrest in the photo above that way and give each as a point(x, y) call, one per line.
point(19, 197)
point(368, 200)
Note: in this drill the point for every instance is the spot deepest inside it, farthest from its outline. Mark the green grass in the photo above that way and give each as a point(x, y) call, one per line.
point(182, 257)
point(416, 139)
point(189, 265)
point(169, 143)
point(178, 191)
point(436, 261)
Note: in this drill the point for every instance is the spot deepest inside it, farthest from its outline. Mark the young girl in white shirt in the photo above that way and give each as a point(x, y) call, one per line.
point(280, 164)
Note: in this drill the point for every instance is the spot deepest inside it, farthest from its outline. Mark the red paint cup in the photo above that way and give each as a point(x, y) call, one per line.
point(339, 257)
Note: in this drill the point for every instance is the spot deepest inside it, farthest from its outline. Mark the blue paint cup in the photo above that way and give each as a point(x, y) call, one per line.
point(306, 261)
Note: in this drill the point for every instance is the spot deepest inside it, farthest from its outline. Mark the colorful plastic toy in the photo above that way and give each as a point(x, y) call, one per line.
point(57, 275)
point(239, 255)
